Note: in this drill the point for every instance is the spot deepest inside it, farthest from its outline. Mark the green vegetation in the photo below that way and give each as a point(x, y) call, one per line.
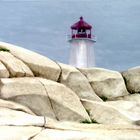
point(4, 49)
point(86, 121)
point(88, 112)
point(89, 122)
point(93, 121)
point(103, 98)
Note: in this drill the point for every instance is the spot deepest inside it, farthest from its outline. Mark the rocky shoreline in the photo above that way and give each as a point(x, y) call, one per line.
point(43, 99)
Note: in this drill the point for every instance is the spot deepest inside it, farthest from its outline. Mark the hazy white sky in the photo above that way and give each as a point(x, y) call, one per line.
point(43, 26)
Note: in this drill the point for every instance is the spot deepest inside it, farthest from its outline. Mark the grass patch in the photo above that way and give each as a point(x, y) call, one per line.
point(86, 121)
point(89, 122)
point(93, 121)
point(88, 112)
point(4, 50)
point(103, 98)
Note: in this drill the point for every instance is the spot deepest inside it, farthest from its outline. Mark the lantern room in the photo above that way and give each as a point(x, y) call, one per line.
point(81, 29)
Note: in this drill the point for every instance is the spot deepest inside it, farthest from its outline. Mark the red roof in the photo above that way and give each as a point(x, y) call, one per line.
point(81, 24)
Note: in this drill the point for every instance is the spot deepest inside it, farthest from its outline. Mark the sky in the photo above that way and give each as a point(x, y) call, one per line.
point(43, 26)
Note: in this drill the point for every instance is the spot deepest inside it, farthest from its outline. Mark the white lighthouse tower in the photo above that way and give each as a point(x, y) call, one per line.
point(81, 41)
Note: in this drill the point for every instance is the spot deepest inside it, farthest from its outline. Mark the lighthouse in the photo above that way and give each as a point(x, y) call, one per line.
point(81, 45)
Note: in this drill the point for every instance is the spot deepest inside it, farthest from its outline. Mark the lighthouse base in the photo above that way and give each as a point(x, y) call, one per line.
point(82, 53)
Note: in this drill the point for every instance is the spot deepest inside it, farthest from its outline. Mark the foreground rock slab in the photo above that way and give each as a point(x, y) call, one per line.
point(76, 131)
point(51, 134)
point(19, 118)
point(80, 132)
point(18, 133)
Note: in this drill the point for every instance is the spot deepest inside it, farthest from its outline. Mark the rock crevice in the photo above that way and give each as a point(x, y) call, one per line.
point(49, 99)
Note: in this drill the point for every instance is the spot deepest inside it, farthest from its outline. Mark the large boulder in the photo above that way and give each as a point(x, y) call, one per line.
point(113, 112)
point(4, 73)
point(76, 81)
point(107, 84)
point(65, 103)
point(44, 97)
point(28, 92)
point(132, 79)
point(15, 66)
point(40, 65)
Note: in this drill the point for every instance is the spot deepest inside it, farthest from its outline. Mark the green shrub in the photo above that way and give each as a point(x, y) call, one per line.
point(86, 121)
point(4, 49)
point(89, 122)
point(103, 98)
point(88, 112)
point(93, 121)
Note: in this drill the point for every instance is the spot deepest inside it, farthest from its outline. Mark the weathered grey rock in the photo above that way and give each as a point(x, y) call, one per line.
point(40, 65)
point(130, 109)
point(104, 113)
point(15, 66)
point(10, 87)
point(3, 71)
point(39, 104)
point(65, 102)
point(106, 83)
point(75, 80)
point(15, 106)
point(132, 97)
point(18, 132)
point(28, 92)
point(132, 79)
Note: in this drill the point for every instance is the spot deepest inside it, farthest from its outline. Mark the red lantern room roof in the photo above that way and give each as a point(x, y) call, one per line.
point(81, 24)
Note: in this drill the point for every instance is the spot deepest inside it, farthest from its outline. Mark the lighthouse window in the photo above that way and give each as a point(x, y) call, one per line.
point(81, 31)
